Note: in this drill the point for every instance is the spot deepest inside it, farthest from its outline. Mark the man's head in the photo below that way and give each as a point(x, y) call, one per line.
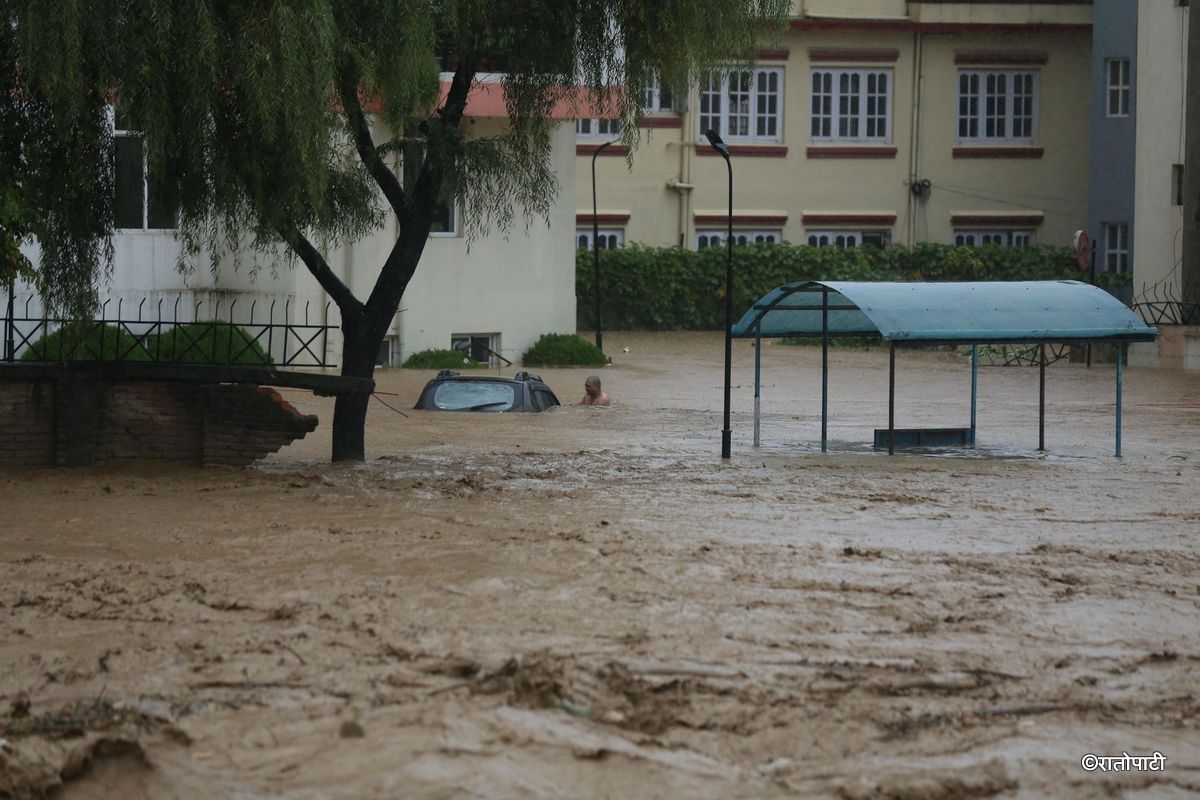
point(591, 386)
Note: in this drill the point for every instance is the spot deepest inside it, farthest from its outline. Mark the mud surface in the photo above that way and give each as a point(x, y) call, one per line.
point(587, 603)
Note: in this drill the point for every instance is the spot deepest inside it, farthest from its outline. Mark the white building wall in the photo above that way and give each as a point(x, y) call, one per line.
point(1161, 83)
point(520, 285)
point(517, 284)
point(1160, 109)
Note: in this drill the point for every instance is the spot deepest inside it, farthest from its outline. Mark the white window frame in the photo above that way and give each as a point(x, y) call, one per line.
point(493, 344)
point(659, 100)
point(1118, 96)
point(716, 237)
point(844, 105)
point(454, 224)
point(1003, 237)
point(126, 133)
point(829, 237)
point(590, 129)
point(989, 97)
point(1116, 247)
point(614, 238)
point(756, 95)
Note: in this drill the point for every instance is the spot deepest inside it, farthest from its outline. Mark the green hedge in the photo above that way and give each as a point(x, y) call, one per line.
point(647, 288)
point(440, 359)
point(87, 341)
point(563, 350)
point(211, 343)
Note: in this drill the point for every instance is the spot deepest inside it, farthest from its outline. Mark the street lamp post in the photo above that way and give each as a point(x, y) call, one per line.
point(715, 140)
point(596, 246)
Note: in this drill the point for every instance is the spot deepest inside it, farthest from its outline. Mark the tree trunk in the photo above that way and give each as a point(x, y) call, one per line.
point(350, 410)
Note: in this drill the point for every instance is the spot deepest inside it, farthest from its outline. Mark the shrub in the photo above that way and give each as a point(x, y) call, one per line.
point(440, 359)
point(210, 343)
point(649, 288)
point(563, 350)
point(87, 341)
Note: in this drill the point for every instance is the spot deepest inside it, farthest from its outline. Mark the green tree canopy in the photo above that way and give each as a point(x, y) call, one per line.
point(257, 114)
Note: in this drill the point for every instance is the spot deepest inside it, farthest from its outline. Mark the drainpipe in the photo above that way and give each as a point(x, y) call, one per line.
point(914, 151)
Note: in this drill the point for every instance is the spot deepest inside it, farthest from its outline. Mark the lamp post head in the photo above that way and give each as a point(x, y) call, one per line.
point(714, 139)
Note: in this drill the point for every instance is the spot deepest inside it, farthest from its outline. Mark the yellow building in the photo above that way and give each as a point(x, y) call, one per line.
point(870, 121)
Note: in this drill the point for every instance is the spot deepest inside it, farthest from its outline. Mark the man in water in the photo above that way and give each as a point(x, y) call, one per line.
point(593, 395)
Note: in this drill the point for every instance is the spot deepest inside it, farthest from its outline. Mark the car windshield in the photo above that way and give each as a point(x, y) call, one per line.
point(474, 396)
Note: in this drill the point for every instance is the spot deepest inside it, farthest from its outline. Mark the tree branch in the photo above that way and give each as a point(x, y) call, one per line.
point(331, 283)
point(361, 132)
point(415, 222)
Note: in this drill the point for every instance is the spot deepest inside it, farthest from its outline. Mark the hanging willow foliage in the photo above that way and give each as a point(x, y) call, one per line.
point(256, 116)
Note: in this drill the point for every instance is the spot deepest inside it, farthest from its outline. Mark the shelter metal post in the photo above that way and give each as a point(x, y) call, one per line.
point(1041, 397)
point(825, 370)
point(757, 379)
point(892, 399)
point(974, 386)
point(1120, 362)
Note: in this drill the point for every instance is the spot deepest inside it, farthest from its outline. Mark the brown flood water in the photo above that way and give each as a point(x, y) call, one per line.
point(588, 603)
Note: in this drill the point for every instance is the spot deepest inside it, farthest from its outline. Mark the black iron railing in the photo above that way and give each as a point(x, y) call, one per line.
point(224, 339)
point(1159, 304)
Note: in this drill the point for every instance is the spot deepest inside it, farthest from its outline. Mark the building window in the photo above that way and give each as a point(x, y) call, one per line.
point(479, 347)
point(742, 105)
point(716, 237)
point(1116, 247)
point(445, 220)
point(659, 99)
point(848, 238)
point(851, 105)
point(997, 106)
point(138, 202)
point(597, 128)
point(1177, 184)
point(1003, 238)
point(610, 238)
point(1118, 87)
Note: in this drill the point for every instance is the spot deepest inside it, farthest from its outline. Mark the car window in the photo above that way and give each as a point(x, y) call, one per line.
point(474, 395)
point(543, 399)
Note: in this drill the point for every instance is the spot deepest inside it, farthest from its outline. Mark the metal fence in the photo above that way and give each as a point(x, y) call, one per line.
point(158, 334)
point(1160, 305)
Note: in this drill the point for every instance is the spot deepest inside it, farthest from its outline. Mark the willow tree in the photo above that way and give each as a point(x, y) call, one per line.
point(262, 118)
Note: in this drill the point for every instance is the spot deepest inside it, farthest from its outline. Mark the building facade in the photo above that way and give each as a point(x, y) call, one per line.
point(1138, 120)
point(494, 296)
point(869, 122)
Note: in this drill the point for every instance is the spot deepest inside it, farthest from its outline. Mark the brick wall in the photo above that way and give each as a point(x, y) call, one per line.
point(77, 420)
point(244, 423)
point(27, 424)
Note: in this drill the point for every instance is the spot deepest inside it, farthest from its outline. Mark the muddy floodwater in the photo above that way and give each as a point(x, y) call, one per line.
point(588, 603)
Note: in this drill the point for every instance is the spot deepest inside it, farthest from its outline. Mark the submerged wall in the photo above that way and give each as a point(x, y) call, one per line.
point(78, 416)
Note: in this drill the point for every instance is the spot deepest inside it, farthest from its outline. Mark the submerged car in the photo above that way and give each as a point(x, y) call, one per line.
point(451, 391)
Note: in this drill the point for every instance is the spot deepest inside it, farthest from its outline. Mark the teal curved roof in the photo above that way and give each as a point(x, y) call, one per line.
point(966, 313)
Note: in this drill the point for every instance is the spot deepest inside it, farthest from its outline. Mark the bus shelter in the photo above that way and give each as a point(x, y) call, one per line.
point(966, 313)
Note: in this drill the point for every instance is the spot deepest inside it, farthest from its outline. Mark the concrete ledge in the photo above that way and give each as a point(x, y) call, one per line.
point(317, 383)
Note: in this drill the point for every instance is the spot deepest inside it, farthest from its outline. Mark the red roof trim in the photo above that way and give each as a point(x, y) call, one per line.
point(611, 150)
point(751, 150)
point(998, 152)
point(583, 218)
point(908, 26)
point(851, 152)
point(993, 221)
point(849, 219)
point(1012, 2)
point(777, 54)
point(1001, 57)
point(661, 122)
point(741, 219)
point(853, 55)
